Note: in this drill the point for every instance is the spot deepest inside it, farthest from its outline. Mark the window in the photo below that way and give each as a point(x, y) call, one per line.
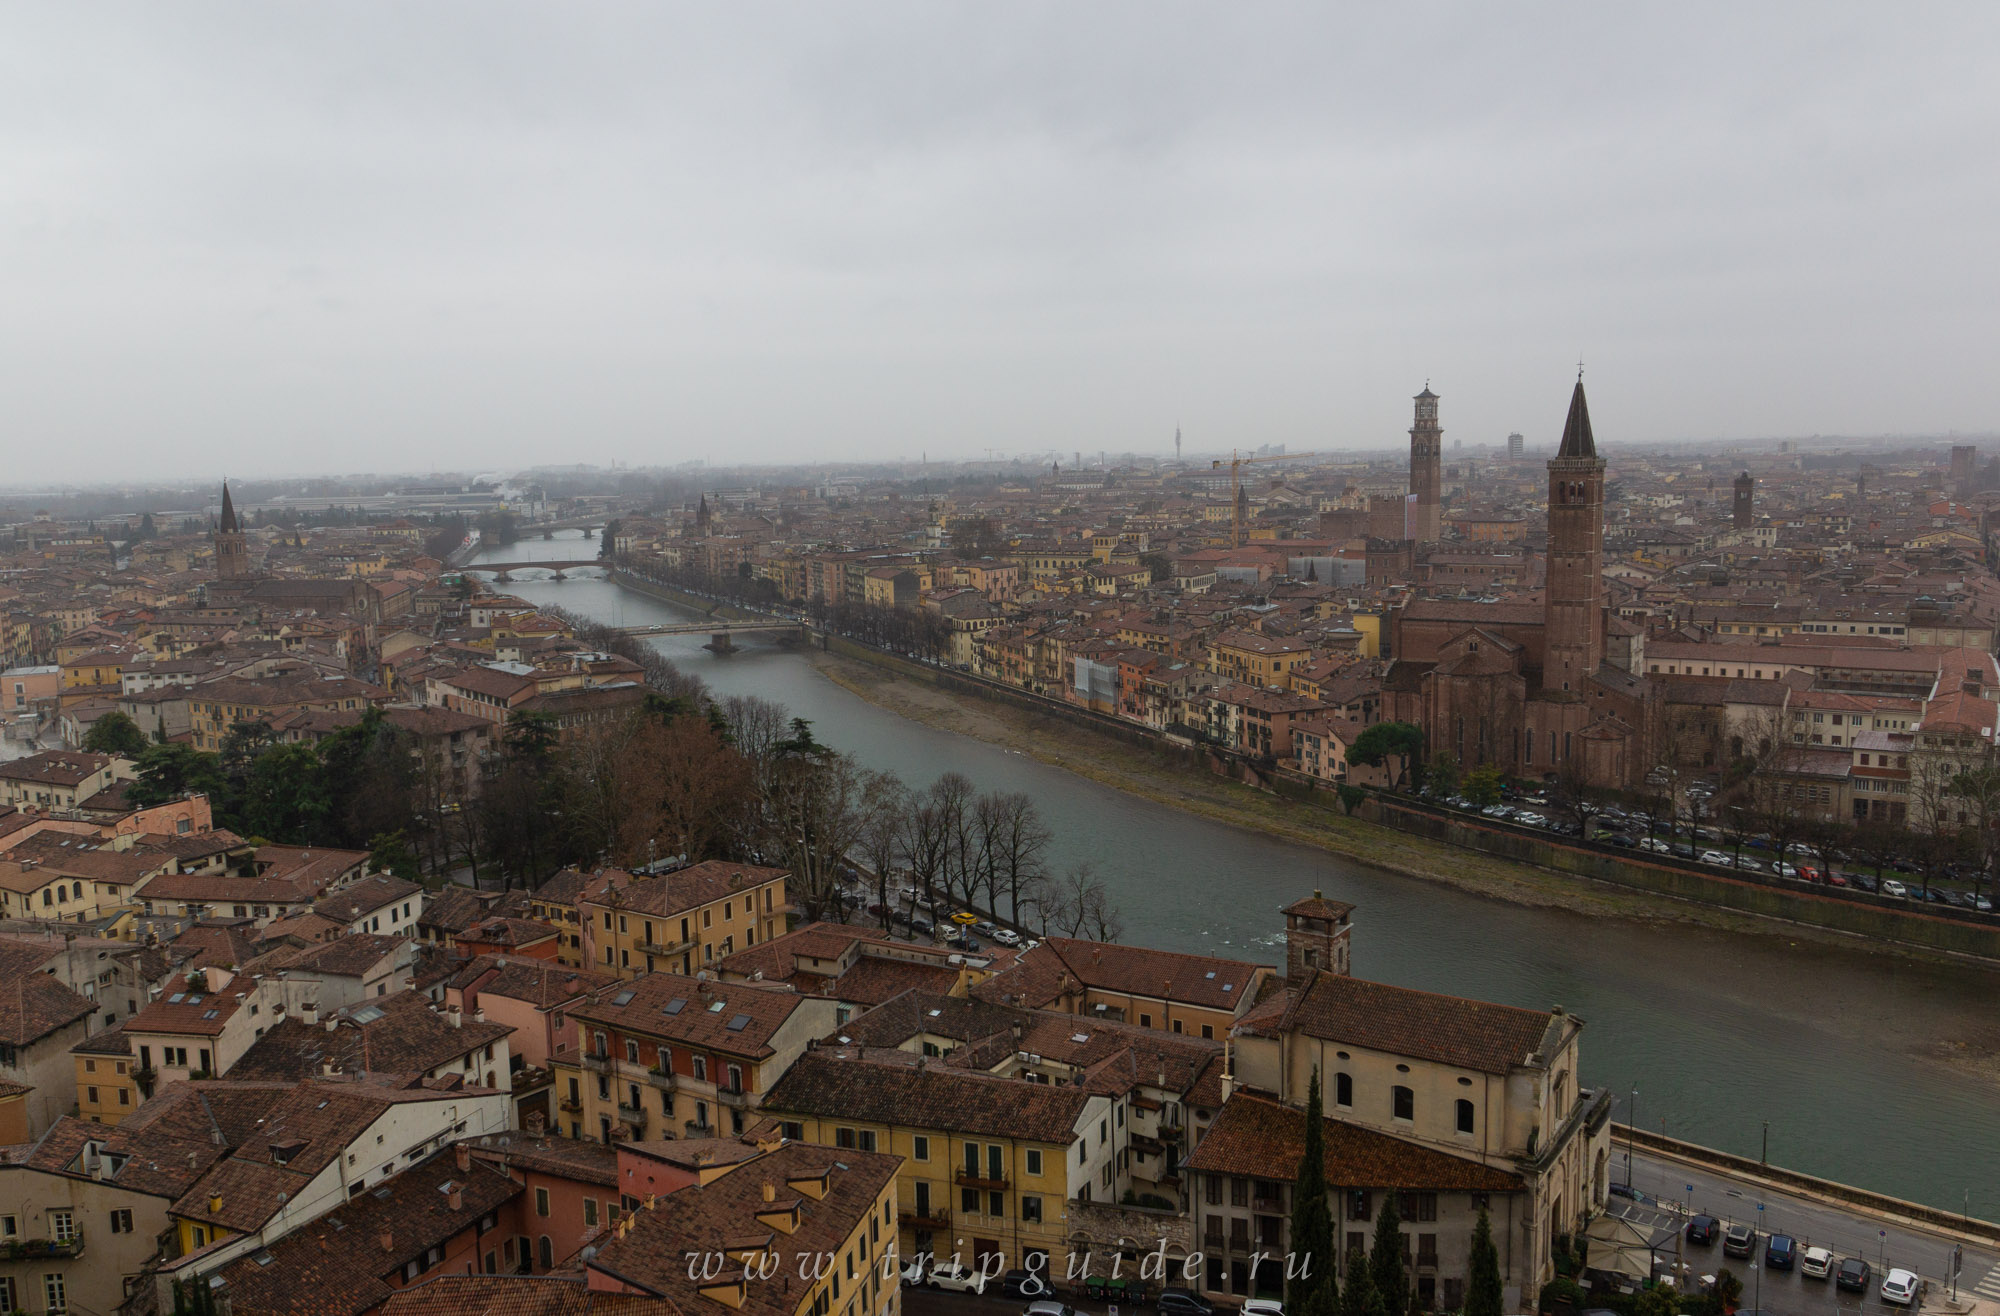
point(1034, 1162)
point(121, 1221)
point(54, 1289)
point(547, 1251)
point(1359, 1205)
point(1403, 1103)
point(1343, 1089)
point(631, 1051)
point(920, 1148)
point(589, 1211)
point(867, 1140)
point(1465, 1116)
point(996, 1204)
point(844, 1138)
point(996, 1162)
point(1239, 1191)
point(1031, 1210)
point(968, 1201)
point(62, 1226)
point(542, 1202)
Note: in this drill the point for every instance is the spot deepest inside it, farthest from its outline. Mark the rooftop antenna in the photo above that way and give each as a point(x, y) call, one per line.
point(1177, 443)
point(1579, 369)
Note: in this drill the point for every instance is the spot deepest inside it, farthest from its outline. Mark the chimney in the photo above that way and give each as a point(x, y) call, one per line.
point(215, 1203)
point(332, 1024)
point(770, 1192)
point(454, 1016)
point(536, 1123)
point(456, 1198)
point(388, 1241)
point(464, 1154)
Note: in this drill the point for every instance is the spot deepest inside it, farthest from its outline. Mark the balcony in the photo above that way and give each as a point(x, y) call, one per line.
point(574, 1105)
point(35, 1249)
point(696, 1130)
point(602, 1064)
point(633, 1115)
point(733, 1096)
point(673, 947)
point(663, 1079)
point(914, 1220)
point(968, 1179)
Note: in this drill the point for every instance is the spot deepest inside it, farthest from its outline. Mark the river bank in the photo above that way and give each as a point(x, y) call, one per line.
point(1150, 776)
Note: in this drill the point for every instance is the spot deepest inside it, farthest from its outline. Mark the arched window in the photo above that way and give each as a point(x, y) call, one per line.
point(547, 1252)
point(1343, 1089)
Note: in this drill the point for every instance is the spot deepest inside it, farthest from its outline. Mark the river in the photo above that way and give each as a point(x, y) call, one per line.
point(1846, 1055)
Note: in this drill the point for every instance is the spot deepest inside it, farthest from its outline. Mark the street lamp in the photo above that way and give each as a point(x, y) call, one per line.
point(1631, 1128)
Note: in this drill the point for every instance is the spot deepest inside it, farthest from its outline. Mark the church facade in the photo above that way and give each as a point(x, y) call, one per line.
point(1540, 690)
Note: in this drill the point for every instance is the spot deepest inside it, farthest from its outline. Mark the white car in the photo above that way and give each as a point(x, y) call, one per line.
point(1783, 869)
point(1891, 887)
point(1717, 857)
point(1655, 844)
point(1900, 1287)
point(1262, 1307)
point(957, 1277)
point(913, 1271)
point(1815, 1263)
point(1007, 937)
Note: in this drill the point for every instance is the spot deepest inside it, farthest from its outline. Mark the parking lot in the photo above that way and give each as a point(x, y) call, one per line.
point(1668, 1191)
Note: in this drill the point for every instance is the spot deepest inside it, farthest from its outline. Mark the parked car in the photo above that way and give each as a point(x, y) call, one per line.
point(1980, 903)
point(1900, 1287)
point(1007, 937)
point(962, 941)
point(956, 1277)
point(1183, 1302)
point(1262, 1307)
point(1702, 1230)
point(1781, 1253)
point(1815, 1263)
point(1656, 845)
point(1864, 881)
point(1746, 863)
point(914, 1270)
point(1048, 1307)
point(1028, 1284)
point(1531, 820)
point(1783, 869)
point(1891, 887)
point(1740, 1241)
point(1621, 839)
point(1853, 1275)
point(922, 927)
point(1715, 857)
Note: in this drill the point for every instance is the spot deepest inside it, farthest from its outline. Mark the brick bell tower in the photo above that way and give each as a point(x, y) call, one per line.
point(1573, 611)
point(232, 554)
point(1316, 936)
point(1426, 451)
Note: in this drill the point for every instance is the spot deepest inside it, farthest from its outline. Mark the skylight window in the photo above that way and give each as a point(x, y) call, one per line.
point(935, 1013)
point(739, 1023)
point(717, 1007)
point(176, 998)
point(1079, 1037)
point(622, 998)
point(675, 1006)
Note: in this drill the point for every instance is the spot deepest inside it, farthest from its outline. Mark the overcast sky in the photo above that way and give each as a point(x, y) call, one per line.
point(262, 237)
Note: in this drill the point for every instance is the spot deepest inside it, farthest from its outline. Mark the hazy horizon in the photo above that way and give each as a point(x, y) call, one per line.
point(486, 237)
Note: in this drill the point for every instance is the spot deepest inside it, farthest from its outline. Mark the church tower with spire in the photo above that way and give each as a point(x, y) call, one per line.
point(1426, 451)
point(232, 554)
point(1573, 610)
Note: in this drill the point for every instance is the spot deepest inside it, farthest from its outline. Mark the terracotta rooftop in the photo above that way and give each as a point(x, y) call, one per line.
point(1451, 1030)
point(1255, 1135)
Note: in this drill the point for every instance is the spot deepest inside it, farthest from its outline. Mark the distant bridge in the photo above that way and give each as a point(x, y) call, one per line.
point(502, 570)
point(720, 630)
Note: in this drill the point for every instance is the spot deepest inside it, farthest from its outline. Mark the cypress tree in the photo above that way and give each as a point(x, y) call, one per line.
point(1483, 1295)
point(1313, 1259)
point(1359, 1297)
point(1385, 1263)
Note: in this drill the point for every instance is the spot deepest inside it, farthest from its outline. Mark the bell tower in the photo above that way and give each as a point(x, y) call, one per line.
point(1573, 609)
point(1316, 936)
point(1426, 451)
point(232, 554)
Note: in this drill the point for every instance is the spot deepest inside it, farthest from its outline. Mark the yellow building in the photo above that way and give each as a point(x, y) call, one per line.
point(1265, 661)
point(989, 1164)
point(680, 920)
point(107, 1089)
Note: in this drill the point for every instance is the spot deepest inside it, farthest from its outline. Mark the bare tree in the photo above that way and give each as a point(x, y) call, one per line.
point(885, 810)
point(1080, 907)
point(1017, 847)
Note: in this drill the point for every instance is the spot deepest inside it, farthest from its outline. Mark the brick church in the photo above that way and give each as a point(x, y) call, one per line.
point(1541, 689)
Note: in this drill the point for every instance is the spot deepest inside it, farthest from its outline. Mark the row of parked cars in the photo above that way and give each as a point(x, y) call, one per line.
point(954, 1276)
point(1782, 1252)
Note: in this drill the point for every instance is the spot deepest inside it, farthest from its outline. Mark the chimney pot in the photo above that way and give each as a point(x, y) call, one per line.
point(388, 1241)
point(770, 1191)
point(456, 1197)
point(464, 1157)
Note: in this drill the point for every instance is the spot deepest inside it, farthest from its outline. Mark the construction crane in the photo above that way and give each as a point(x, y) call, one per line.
point(1235, 493)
